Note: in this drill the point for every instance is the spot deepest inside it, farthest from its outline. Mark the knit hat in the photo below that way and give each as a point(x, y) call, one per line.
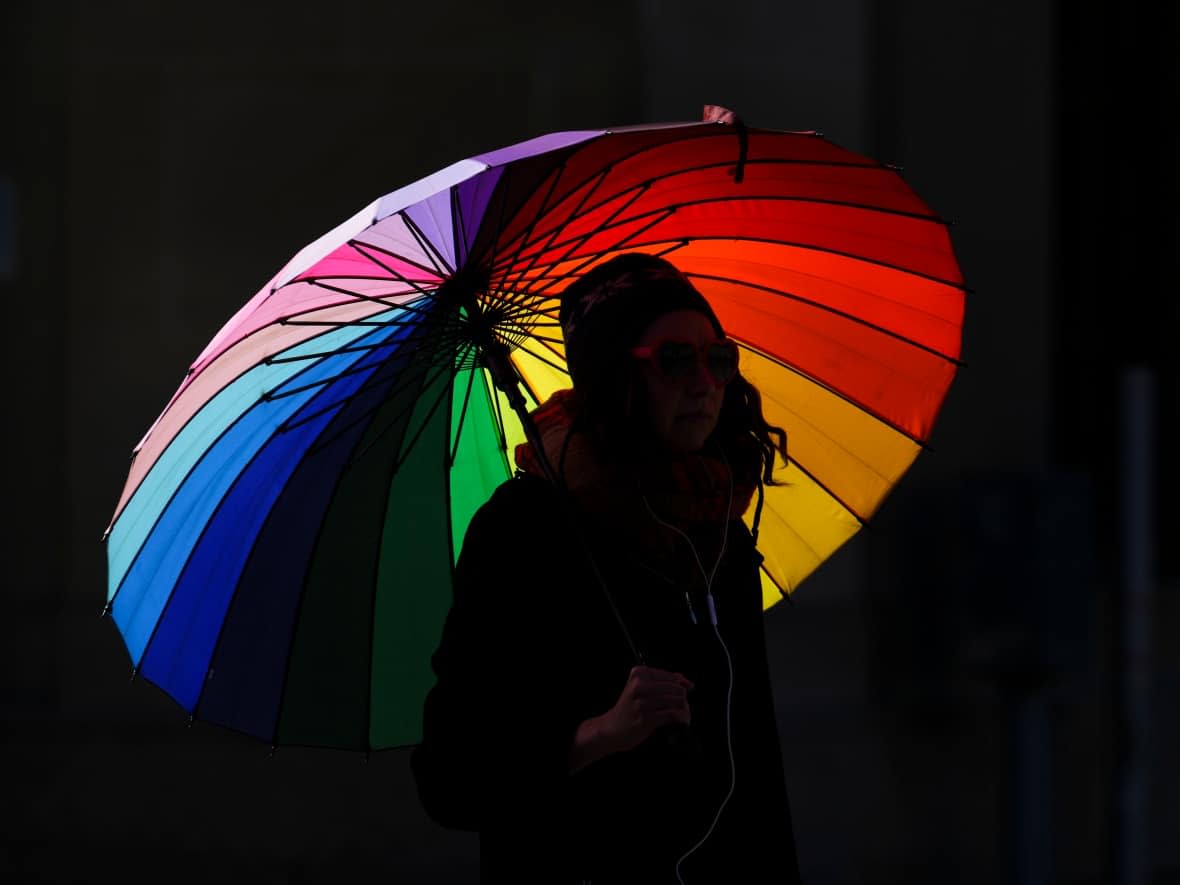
point(605, 311)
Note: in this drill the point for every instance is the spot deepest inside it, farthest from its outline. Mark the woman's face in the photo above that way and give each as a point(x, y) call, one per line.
point(681, 416)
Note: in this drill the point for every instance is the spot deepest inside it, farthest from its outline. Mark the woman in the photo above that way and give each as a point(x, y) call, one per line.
point(607, 716)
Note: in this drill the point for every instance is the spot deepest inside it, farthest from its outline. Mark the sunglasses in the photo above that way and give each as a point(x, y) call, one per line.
point(676, 361)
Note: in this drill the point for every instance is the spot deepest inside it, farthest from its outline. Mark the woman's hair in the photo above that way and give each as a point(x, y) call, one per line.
point(612, 305)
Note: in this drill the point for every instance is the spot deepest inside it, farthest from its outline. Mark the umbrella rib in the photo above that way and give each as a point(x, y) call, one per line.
point(283, 393)
point(442, 268)
point(523, 313)
point(791, 296)
point(611, 221)
point(458, 432)
point(378, 299)
point(353, 348)
point(458, 227)
point(364, 251)
point(640, 190)
point(694, 134)
point(554, 177)
point(367, 384)
point(810, 247)
point(662, 215)
point(567, 218)
point(405, 454)
point(364, 248)
point(395, 390)
point(502, 189)
point(860, 519)
point(750, 164)
point(344, 324)
point(871, 412)
point(673, 207)
point(440, 340)
point(546, 338)
point(546, 361)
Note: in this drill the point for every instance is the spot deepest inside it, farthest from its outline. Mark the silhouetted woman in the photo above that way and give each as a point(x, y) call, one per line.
point(606, 715)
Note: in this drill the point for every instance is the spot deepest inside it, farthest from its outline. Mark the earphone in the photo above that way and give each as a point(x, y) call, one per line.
point(708, 577)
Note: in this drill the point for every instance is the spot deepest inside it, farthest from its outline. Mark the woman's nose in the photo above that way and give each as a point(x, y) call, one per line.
point(701, 381)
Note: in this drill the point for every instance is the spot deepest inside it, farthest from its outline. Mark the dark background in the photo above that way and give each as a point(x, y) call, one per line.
point(982, 687)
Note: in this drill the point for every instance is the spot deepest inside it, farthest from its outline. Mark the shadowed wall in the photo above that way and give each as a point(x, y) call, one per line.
point(946, 685)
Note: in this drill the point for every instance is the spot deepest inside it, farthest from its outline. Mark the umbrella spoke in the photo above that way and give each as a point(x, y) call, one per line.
point(458, 431)
point(545, 360)
point(439, 341)
point(504, 179)
point(660, 215)
point(343, 324)
point(843, 314)
point(366, 249)
point(374, 380)
point(402, 386)
point(352, 348)
point(611, 220)
point(408, 449)
point(567, 218)
point(832, 391)
point(548, 339)
point(726, 165)
point(774, 241)
point(623, 159)
point(524, 238)
point(436, 258)
point(459, 224)
point(609, 223)
point(375, 299)
point(368, 256)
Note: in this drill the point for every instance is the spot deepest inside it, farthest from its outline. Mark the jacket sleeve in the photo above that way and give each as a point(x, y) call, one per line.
point(496, 734)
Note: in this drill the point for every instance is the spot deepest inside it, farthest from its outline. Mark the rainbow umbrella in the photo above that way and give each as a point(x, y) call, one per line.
point(280, 558)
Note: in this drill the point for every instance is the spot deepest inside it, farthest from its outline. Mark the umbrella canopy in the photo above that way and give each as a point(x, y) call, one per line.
point(280, 558)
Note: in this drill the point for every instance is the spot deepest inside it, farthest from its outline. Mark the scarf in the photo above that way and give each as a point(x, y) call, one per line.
point(689, 491)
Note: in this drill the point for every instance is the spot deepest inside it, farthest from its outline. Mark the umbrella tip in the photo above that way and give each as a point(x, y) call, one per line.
point(715, 113)
point(106, 610)
point(274, 749)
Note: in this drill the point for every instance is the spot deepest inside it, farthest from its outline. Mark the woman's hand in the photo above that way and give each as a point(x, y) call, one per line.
point(650, 699)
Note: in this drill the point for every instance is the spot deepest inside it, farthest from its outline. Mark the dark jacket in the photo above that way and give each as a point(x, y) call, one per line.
point(531, 648)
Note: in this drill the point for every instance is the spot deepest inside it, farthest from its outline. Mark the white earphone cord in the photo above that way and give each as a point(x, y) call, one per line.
point(708, 577)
